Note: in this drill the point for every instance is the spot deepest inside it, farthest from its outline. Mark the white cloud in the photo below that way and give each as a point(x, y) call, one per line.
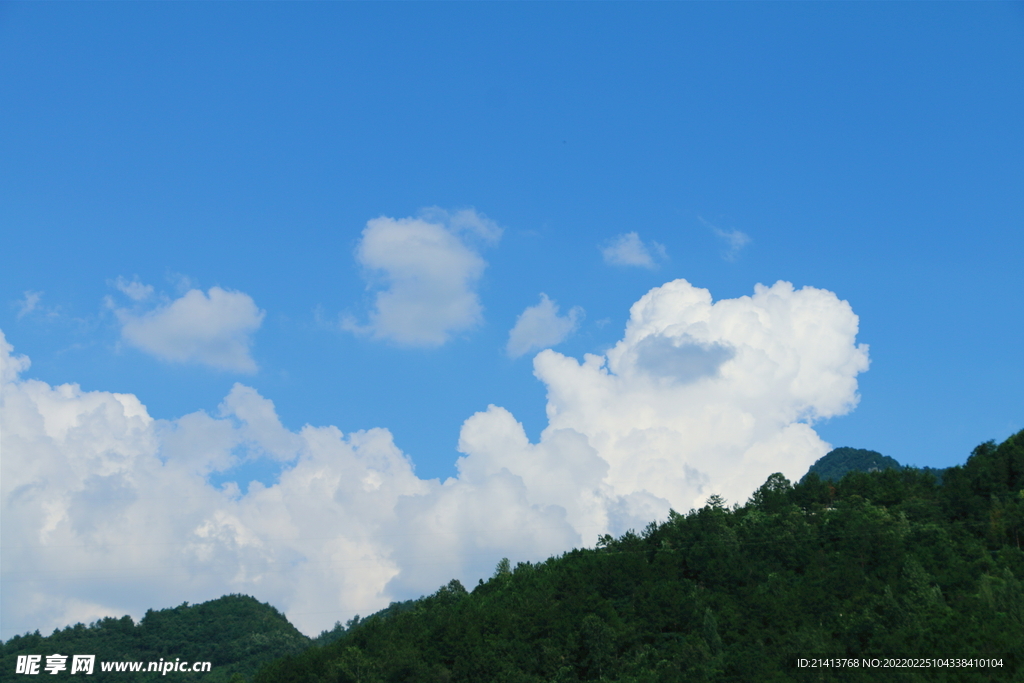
point(735, 240)
point(107, 511)
point(465, 221)
point(629, 250)
point(540, 327)
point(11, 365)
point(428, 272)
point(701, 397)
point(29, 303)
point(133, 289)
point(212, 329)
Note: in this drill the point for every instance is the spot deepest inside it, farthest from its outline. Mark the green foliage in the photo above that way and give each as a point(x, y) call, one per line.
point(235, 633)
point(835, 464)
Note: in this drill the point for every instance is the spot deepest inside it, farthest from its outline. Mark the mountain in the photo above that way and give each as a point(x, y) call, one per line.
point(837, 462)
point(236, 633)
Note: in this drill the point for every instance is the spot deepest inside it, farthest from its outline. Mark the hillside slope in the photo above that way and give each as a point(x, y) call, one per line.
point(838, 462)
point(236, 633)
point(879, 564)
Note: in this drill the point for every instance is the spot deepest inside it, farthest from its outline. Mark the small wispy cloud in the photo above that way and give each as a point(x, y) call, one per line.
point(29, 303)
point(735, 240)
point(133, 289)
point(628, 249)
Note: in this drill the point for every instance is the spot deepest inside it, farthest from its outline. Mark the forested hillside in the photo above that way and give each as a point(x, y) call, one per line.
point(835, 464)
point(236, 633)
point(884, 563)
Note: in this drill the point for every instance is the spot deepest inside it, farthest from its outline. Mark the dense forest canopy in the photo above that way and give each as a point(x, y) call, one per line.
point(880, 563)
point(839, 461)
point(235, 633)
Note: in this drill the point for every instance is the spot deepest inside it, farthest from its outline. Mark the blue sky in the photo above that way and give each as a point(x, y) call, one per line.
point(225, 165)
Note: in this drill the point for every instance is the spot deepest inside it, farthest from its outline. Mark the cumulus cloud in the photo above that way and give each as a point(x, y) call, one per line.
point(629, 250)
point(213, 329)
point(703, 397)
point(427, 271)
point(540, 327)
point(107, 510)
point(11, 364)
